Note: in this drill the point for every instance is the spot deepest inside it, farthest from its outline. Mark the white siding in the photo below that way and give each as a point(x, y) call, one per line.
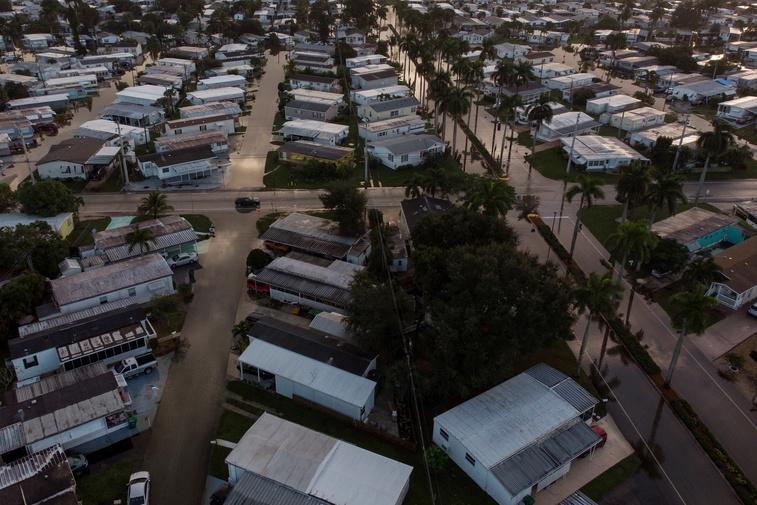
point(47, 361)
point(144, 293)
point(61, 170)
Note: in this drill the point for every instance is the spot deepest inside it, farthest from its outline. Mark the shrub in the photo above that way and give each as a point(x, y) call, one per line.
point(437, 460)
point(257, 259)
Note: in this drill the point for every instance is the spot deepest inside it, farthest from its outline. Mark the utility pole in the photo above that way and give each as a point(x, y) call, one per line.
point(124, 167)
point(567, 172)
point(365, 163)
point(26, 156)
point(680, 142)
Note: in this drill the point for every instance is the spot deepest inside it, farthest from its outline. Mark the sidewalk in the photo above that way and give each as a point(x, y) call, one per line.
point(720, 405)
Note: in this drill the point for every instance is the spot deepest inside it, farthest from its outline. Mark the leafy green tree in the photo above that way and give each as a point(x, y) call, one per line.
point(380, 258)
point(155, 204)
point(492, 197)
point(18, 297)
point(141, 239)
point(349, 204)
point(668, 256)
point(372, 318)
point(701, 272)
point(35, 245)
point(690, 315)
point(47, 198)
point(257, 259)
point(470, 330)
point(8, 200)
point(461, 227)
point(687, 15)
point(598, 296)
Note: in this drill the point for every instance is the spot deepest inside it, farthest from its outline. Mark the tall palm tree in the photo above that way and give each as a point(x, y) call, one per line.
point(501, 77)
point(600, 295)
point(689, 315)
point(538, 114)
point(509, 106)
point(712, 144)
point(665, 190)
point(493, 197)
point(632, 240)
point(437, 88)
point(140, 238)
point(456, 103)
point(154, 204)
point(632, 186)
point(589, 189)
point(701, 271)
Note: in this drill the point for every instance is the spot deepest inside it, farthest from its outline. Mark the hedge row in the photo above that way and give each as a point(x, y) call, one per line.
point(743, 487)
point(740, 484)
point(490, 162)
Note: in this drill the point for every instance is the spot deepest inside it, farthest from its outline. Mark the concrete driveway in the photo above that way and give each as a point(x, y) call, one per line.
point(726, 334)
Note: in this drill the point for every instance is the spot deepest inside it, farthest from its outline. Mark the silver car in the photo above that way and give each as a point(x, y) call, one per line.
point(138, 492)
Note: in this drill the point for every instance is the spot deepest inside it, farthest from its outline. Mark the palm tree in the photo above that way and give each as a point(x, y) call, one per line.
point(501, 78)
point(437, 88)
point(456, 103)
point(589, 189)
point(509, 105)
point(712, 144)
point(666, 190)
point(414, 185)
point(538, 114)
point(701, 271)
point(632, 186)
point(493, 197)
point(600, 295)
point(141, 238)
point(154, 204)
point(633, 240)
point(690, 315)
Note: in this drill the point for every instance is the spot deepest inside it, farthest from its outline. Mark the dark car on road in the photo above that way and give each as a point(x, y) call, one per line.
point(246, 202)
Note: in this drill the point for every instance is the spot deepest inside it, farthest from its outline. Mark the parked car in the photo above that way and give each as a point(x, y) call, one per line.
point(246, 202)
point(79, 464)
point(138, 490)
point(130, 367)
point(753, 310)
point(10, 57)
point(182, 259)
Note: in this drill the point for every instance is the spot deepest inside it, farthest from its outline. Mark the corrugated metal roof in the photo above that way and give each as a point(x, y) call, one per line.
point(529, 466)
point(578, 498)
point(310, 233)
point(252, 489)
point(12, 437)
point(568, 389)
point(319, 465)
point(159, 243)
point(546, 374)
point(72, 317)
point(109, 278)
point(322, 377)
point(336, 297)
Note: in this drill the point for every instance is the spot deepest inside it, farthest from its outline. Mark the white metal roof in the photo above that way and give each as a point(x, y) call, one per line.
point(217, 93)
point(309, 127)
point(319, 465)
point(146, 91)
point(332, 323)
point(223, 79)
point(614, 100)
point(503, 420)
point(640, 113)
point(322, 377)
point(595, 147)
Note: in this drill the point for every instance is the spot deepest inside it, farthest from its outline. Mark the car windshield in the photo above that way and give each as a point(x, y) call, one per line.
point(137, 500)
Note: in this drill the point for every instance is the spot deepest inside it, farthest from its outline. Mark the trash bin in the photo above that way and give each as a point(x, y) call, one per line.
point(132, 422)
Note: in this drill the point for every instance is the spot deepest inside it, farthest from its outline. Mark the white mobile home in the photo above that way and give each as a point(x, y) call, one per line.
point(637, 119)
point(406, 150)
point(141, 95)
point(319, 132)
point(138, 279)
point(222, 81)
point(611, 104)
point(567, 123)
point(393, 127)
point(570, 81)
point(520, 436)
point(600, 154)
point(303, 363)
point(366, 96)
point(201, 124)
point(739, 110)
point(226, 94)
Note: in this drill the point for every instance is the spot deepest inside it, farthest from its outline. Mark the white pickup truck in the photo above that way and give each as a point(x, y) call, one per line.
point(130, 367)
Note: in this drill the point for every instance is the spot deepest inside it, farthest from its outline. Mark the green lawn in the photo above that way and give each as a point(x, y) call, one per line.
point(524, 139)
point(726, 173)
point(453, 484)
point(82, 233)
point(217, 466)
point(199, 222)
point(602, 220)
point(106, 484)
point(112, 184)
point(609, 131)
point(552, 164)
point(232, 426)
point(612, 477)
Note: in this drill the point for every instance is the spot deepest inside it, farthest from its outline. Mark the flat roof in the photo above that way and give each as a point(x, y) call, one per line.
point(170, 158)
point(397, 103)
point(75, 150)
point(253, 489)
point(312, 128)
point(210, 109)
point(691, 224)
point(568, 122)
point(334, 153)
point(192, 139)
point(319, 465)
point(41, 477)
point(595, 147)
point(640, 113)
point(109, 278)
point(204, 94)
point(311, 105)
point(405, 144)
point(393, 122)
point(521, 411)
point(145, 91)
